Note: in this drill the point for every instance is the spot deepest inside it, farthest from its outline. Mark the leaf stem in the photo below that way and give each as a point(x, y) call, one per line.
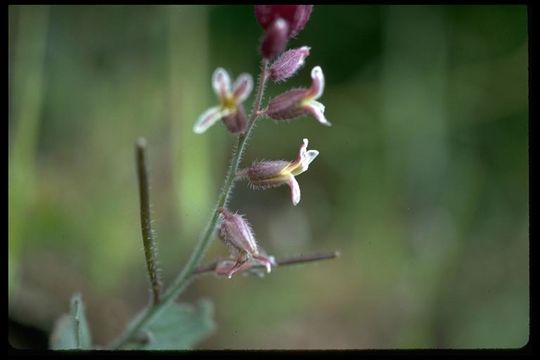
point(182, 280)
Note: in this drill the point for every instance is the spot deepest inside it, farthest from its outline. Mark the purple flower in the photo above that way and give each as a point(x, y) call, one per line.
point(296, 16)
point(230, 107)
point(288, 63)
point(298, 102)
point(268, 174)
point(236, 233)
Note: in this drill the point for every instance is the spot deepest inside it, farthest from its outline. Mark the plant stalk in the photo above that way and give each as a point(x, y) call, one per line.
point(182, 280)
point(150, 244)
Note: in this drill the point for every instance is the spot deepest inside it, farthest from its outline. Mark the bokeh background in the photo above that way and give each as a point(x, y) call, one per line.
point(421, 183)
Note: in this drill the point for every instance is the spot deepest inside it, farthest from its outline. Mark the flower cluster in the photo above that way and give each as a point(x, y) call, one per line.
point(280, 23)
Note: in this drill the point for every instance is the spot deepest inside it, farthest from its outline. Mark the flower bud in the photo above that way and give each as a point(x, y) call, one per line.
point(296, 16)
point(236, 233)
point(288, 63)
point(275, 39)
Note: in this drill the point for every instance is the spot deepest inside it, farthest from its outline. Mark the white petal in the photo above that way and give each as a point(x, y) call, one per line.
point(242, 87)
point(306, 157)
point(295, 190)
point(317, 110)
point(303, 148)
point(221, 82)
point(207, 119)
point(317, 85)
point(264, 261)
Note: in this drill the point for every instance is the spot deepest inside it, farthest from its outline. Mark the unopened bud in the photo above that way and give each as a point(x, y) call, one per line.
point(236, 233)
point(288, 63)
point(275, 39)
point(238, 236)
point(296, 16)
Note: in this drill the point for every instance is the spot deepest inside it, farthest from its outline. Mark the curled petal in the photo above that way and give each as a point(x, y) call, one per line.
point(302, 161)
point(209, 118)
point(295, 190)
point(306, 157)
point(242, 87)
point(221, 82)
point(316, 109)
point(310, 156)
point(317, 85)
point(264, 261)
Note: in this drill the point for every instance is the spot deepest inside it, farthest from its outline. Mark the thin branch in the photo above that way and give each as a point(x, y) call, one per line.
point(150, 245)
point(295, 260)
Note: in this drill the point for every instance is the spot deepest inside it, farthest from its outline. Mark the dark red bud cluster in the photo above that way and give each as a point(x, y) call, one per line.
point(280, 22)
point(275, 39)
point(296, 16)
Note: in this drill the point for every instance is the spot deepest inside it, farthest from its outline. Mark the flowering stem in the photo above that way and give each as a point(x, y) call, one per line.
point(182, 280)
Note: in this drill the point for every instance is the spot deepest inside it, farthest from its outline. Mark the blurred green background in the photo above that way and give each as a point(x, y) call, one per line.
point(421, 183)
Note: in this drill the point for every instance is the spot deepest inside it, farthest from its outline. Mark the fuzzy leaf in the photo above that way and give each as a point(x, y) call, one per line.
point(178, 327)
point(71, 330)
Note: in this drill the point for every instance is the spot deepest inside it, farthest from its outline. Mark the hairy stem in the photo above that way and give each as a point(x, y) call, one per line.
point(150, 245)
point(182, 280)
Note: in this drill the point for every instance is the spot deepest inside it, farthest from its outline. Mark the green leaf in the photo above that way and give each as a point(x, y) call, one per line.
point(71, 330)
point(177, 327)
